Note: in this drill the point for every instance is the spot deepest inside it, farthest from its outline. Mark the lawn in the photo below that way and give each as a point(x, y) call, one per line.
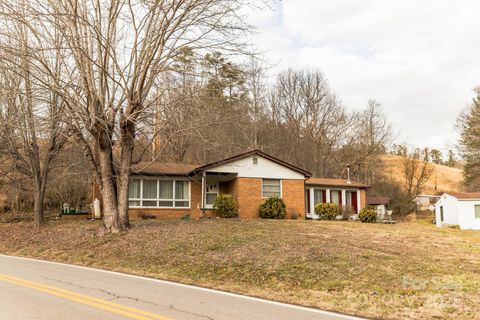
point(403, 271)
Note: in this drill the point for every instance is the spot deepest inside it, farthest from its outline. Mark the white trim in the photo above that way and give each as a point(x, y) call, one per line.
point(327, 200)
point(358, 200)
point(344, 198)
point(203, 190)
point(193, 287)
point(281, 189)
point(312, 200)
point(217, 193)
point(173, 200)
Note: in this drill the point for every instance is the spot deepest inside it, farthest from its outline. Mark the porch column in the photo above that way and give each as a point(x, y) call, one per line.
point(203, 191)
point(344, 197)
point(358, 201)
point(311, 199)
point(327, 192)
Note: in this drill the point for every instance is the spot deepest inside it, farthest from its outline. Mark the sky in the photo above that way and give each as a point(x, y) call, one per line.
point(418, 58)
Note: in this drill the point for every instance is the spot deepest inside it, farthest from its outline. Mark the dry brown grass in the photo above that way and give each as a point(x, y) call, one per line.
point(446, 178)
point(343, 266)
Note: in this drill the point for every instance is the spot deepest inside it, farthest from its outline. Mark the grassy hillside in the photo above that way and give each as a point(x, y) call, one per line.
point(446, 178)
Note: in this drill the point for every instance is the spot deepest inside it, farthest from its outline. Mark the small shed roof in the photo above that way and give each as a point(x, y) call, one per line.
point(378, 200)
point(465, 195)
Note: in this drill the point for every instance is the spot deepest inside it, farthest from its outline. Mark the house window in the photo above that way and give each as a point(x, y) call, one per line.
point(158, 193)
point(319, 196)
point(134, 193)
point(271, 188)
point(149, 189)
point(349, 199)
point(477, 211)
point(441, 213)
point(335, 196)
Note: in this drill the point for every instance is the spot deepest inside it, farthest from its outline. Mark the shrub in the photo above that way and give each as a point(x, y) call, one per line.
point(327, 211)
point(225, 206)
point(367, 215)
point(273, 208)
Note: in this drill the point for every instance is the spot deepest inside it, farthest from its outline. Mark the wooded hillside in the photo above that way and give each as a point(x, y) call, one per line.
point(442, 179)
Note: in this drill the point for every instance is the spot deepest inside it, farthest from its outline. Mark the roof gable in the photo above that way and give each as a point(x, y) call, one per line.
point(222, 163)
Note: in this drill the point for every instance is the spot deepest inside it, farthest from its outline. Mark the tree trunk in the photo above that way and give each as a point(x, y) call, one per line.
point(127, 127)
point(108, 190)
point(123, 183)
point(38, 199)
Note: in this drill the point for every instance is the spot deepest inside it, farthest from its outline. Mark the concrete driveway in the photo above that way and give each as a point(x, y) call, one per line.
point(33, 289)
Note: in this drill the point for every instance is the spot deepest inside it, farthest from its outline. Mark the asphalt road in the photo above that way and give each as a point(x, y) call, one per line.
point(33, 289)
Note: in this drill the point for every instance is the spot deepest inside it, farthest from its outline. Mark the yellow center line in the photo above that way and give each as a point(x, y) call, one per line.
point(84, 299)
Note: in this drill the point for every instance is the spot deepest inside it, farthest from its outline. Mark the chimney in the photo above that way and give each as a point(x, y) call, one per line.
point(349, 181)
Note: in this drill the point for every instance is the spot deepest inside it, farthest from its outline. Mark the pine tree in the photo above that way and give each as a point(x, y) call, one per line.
point(470, 142)
point(436, 156)
point(451, 159)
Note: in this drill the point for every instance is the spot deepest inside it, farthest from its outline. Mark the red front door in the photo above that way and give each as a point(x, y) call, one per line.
point(354, 201)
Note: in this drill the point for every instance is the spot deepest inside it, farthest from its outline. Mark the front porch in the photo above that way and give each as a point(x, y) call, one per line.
point(214, 184)
point(349, 200)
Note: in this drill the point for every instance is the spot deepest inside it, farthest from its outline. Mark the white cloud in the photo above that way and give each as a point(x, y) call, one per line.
point(418, 58)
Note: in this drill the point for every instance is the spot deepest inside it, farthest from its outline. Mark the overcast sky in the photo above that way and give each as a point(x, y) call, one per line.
point(419, 58)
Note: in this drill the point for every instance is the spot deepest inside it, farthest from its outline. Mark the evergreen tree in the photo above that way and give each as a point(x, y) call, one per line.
point(470, 142)
point(436, 156)
point(451, 159)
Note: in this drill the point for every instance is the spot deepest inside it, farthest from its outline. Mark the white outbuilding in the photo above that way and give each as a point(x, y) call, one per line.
point(462, 209)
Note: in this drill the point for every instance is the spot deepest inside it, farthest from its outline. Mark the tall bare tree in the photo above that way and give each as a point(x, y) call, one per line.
point(30, 117)
point(112, 53)
point(417, 173)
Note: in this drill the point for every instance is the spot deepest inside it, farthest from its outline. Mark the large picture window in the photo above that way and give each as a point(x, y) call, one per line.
point(271, 188)
point(159, 193)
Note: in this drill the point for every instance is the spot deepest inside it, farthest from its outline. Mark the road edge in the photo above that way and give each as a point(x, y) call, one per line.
point(196, 287)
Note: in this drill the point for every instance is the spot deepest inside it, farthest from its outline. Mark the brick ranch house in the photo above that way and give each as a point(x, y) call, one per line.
point(171, 190)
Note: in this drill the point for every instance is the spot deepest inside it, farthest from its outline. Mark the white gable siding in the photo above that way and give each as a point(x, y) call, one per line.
point(450, 210)
point(264, 169)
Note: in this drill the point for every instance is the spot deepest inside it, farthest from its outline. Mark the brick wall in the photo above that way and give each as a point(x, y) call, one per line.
point(363, 198)
point(248, 193)
point(293, 193)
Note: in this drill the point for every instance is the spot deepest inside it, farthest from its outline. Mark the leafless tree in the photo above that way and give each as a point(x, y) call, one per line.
point(417, 173)
point(112, 52)
point(30, 116)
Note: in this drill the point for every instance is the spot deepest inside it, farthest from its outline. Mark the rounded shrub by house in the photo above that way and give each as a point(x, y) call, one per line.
point(367, 215)
point(273, 208)
point(225, 206)
point(327, 211)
